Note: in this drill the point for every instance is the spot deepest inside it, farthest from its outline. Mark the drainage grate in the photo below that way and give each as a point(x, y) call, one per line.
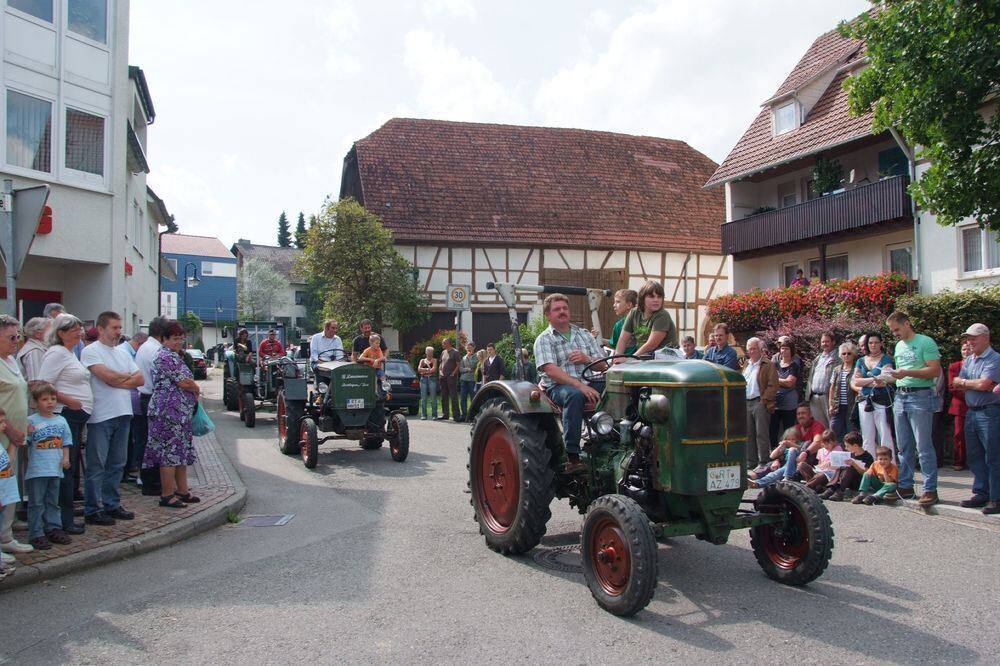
point(559, 558)
point(265, 521)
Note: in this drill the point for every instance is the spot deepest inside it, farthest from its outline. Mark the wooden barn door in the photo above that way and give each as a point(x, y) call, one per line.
point(613, 279)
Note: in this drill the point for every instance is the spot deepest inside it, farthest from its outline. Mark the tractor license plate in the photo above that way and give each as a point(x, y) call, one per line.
point(355, 403)
point(723, 478)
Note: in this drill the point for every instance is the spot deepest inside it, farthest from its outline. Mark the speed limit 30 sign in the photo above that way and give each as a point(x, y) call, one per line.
point(459, 296)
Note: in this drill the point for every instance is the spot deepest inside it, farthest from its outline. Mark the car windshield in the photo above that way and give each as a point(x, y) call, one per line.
point(196, 353)
point(399, 369)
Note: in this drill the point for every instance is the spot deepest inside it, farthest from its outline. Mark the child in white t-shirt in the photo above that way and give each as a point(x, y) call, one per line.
point(48, 439)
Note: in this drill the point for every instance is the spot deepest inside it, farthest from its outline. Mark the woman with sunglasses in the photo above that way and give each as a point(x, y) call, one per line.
point(843, 396)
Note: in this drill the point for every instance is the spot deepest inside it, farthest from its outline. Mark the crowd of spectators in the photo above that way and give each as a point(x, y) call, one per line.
point(91, 408)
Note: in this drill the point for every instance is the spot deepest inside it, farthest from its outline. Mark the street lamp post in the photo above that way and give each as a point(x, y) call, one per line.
point(192, 281)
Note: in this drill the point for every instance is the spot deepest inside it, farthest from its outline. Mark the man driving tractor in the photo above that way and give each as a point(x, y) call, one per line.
point(270, 348)
point(562, 352)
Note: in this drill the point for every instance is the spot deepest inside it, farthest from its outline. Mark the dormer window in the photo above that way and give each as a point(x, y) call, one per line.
point(784, 118)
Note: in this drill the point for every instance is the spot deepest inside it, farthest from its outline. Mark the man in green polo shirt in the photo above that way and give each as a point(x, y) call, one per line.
point(917, 366)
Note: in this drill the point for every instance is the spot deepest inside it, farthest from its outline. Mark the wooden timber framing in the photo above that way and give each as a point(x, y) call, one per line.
point(699, 276)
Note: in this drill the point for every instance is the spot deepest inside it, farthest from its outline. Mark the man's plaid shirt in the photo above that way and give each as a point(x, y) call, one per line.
point(552, 347)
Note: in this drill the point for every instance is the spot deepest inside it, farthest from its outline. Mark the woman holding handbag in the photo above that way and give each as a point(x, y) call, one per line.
point(874, 397)
point(171, 411)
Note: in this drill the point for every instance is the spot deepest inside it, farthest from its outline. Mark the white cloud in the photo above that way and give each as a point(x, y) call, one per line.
point(457, 8)
point(190, 198)
point(344, 26)
point(454, 86)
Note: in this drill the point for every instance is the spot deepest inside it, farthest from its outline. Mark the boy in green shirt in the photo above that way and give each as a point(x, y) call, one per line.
point(625, 300)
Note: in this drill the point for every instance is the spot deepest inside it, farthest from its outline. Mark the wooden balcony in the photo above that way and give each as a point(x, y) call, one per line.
point(851, 213)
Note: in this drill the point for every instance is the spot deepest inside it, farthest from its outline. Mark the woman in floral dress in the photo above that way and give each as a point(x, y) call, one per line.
point(171, 409)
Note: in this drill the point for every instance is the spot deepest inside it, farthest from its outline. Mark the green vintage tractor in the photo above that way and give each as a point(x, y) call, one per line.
point(665, 449)
point(348, 402)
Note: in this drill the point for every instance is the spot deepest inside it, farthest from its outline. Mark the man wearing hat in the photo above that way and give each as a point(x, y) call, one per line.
point(979, 376)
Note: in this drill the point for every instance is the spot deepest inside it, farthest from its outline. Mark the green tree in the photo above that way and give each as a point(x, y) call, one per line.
point(350, 258)
point(284, 235)
point(933, 71)
point(260, 290)
point(300, 232)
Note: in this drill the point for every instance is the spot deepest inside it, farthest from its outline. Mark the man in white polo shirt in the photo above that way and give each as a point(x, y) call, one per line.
point(112, 374)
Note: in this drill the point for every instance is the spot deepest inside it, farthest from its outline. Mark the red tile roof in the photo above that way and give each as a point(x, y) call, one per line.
point(204, 246)
point(436, 181)
point(828, 123)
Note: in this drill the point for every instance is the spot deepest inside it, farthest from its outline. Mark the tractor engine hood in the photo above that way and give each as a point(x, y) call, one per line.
point(675, 373)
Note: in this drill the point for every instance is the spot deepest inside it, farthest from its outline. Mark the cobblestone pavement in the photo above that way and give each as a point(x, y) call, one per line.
point(209, 480)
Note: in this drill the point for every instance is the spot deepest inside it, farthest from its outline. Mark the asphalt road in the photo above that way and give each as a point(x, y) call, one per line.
point(382, 563)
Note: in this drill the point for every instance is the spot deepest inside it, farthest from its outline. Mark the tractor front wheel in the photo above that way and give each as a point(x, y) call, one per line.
point(619, 555)
point(249, 410)
point(289, 415)
point(308, 443)
point(509, 478)
point(797, 550)
point(398, 431)
point(231, 395)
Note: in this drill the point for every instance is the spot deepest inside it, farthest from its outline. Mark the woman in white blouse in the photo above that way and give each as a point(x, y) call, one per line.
point(63, 369)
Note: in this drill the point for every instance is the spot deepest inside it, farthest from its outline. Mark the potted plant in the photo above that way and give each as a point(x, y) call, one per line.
point(827, 175)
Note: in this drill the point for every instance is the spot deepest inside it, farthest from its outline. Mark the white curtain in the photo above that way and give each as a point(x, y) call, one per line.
point(29, 132)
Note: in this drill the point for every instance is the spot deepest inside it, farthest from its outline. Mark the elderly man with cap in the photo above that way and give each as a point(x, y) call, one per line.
point(979, 376)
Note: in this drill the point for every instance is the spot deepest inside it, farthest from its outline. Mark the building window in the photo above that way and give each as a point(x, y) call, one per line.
point(40, 9)
point(784, 118)
point(89, 18)
point(786, 195)
point(901, 259)
point(980, 250)
point(29, 132)
point(892, 162)
point(300, 297)
point(84, 142)
point(173, 267)
point(836, 267)
point(218, 269)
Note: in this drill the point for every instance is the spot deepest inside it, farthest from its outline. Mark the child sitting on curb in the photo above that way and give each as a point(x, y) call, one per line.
point(849, 476)
point(818, 475)
point(882, 478)
point(790, 451)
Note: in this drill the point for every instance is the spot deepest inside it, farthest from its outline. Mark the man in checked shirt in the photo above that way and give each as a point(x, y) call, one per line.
point(562, 351)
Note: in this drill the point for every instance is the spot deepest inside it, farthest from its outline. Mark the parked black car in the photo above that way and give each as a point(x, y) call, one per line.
point(404, 386)
point(199, 368)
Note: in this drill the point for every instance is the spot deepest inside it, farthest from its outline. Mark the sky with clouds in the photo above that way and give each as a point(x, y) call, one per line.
point(258, 102)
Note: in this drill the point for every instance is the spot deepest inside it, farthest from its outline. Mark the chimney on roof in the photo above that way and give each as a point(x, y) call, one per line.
point(243, 241)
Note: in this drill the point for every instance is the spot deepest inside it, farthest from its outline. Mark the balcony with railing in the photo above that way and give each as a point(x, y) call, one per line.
point(854, 211)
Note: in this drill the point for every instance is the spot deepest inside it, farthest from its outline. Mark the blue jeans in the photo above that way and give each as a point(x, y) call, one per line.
point(43, 505)
point(429, 395)
point(786, 472)
point(982, 450)
point(107, 446)
point(466, 392)
point(571, 399)
point(914, 417)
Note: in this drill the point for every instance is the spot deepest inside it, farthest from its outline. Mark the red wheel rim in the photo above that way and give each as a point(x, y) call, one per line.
point(282, 426)
point(787, 544)
point(610, 557)
point(498, 486)
point(305, 441)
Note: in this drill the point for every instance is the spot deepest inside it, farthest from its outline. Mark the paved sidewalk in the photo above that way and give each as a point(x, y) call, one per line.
point(212, 479)
point(953, 487)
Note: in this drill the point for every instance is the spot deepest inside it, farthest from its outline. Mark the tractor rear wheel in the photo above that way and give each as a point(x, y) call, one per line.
point(308, 443)
point(619, 554)
point(289, 414)
point(399, 437)
point(798, 550)
point(510, 478)
point(249, 410)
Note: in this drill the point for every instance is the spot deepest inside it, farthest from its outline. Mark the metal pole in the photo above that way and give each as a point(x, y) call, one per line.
point(8, 246)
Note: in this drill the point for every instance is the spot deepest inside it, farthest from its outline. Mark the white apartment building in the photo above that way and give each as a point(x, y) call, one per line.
point(76, 118)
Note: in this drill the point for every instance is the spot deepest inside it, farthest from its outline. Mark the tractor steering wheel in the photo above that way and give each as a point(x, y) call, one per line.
point(589, 374)
point(330, 354)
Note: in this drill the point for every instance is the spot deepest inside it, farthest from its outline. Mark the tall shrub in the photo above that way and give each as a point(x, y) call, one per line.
point(529, 331)
point(945, 316)
point(418, 349)
point(805, 331)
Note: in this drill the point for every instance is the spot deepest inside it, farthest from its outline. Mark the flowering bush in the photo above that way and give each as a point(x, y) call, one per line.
point(805, 331)
point(417, 350)
point(756, 310)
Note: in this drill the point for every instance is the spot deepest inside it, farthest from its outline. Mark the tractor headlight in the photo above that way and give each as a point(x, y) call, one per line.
point(602, 423)
point(322, 387)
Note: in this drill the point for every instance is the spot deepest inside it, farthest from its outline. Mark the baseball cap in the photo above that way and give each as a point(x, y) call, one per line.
point(976, 329)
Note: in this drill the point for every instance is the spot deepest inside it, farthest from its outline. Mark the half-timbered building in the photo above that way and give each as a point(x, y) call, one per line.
point(471, 203)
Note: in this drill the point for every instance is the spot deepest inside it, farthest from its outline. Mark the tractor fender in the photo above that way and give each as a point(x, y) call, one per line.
point(518, 394)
